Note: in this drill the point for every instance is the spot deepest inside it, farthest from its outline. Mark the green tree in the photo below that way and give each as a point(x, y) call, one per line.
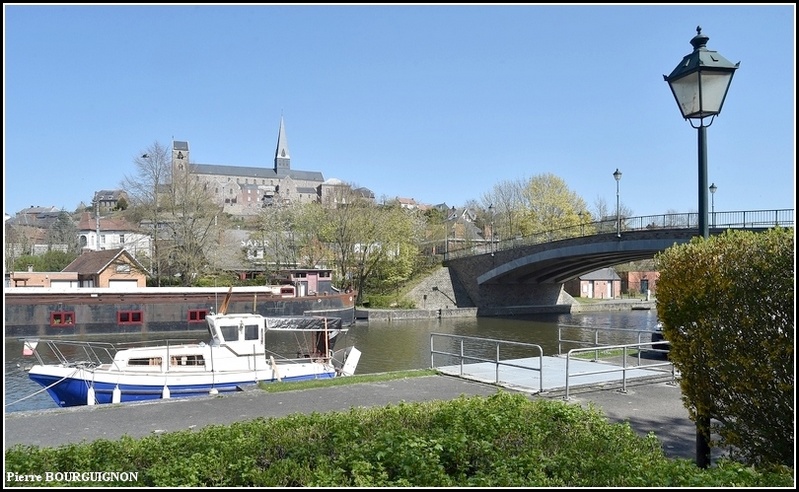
point(727, 307)
point(51, 261)
point(549, 204)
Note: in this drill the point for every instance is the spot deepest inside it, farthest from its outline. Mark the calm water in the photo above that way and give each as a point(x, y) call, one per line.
point(388, 346)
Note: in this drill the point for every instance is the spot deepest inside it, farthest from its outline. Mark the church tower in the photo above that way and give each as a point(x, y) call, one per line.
point(180, 157)
point(282, 158)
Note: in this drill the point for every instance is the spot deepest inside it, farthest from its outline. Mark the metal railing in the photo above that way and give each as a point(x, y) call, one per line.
point(624, 367)
point(600, 344)
point(481, 346)
point(84, 353)
point(749, 219)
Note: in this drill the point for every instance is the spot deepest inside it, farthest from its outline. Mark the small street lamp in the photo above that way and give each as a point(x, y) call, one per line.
point(699, 85)
point(582, 225)
point(617, 176)
point(713, 189)
point(491, 211)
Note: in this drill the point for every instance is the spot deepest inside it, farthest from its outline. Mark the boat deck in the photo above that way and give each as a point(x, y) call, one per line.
point(524, 374)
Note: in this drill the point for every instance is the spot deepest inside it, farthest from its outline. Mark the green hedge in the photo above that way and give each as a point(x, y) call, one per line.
point(497, 441)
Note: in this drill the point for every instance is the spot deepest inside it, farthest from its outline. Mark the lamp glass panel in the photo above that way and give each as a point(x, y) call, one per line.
point(714, 88)
point(686, 92)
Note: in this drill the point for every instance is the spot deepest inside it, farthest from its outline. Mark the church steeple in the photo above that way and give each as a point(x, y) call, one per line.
point(282, 158)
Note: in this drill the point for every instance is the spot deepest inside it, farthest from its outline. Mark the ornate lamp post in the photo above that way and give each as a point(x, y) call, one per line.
point(699, 85)
point(617, 175)
point(713, 189)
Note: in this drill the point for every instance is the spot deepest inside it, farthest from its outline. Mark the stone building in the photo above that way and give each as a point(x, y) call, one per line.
point(244, 190)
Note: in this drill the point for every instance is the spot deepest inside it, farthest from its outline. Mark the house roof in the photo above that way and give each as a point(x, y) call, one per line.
point(601, 274)
point(107, 224)
point(94, 262)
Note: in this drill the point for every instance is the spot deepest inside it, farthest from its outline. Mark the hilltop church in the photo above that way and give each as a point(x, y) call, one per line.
point(245, 190)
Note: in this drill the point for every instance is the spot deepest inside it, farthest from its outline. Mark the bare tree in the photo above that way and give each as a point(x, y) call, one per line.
point(151, 180)
point(191, 225)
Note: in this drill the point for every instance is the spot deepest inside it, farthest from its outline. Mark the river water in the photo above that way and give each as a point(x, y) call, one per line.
point(388, 346)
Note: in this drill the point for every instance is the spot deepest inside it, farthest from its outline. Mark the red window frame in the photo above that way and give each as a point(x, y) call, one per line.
point(197, 315)
point(130, 317)
point(60, 319)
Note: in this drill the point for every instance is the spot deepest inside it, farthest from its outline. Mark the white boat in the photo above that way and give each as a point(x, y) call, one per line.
point(237, 356)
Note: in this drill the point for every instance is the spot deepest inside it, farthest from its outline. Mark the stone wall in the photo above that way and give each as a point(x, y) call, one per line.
point(438, 291)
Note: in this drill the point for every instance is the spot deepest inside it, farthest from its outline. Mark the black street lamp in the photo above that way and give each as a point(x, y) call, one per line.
point(617, 175)
point(700, 84)
point(582, 225)
point(713, 189)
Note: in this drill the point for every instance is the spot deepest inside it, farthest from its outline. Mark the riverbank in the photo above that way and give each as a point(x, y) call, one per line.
point(612, 305)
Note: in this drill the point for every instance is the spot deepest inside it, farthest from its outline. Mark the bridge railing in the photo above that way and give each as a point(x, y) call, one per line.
point(744, 219)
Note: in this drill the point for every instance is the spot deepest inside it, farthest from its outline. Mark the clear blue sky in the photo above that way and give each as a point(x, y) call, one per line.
point(435, 103)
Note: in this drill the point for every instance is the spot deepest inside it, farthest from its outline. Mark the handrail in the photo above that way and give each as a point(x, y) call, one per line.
point(624, 368)
point(744, 219)
point(596, 343)
point(496, 360)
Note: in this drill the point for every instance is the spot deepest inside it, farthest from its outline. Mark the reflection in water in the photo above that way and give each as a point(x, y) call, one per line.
point(388, 346)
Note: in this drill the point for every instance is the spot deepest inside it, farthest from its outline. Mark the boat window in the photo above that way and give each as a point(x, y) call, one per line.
point(129, 317)
point(251, 332)
point(145, 361)
point(197, 315)
point(230, 333)
point(62, 318)
point(187, 360)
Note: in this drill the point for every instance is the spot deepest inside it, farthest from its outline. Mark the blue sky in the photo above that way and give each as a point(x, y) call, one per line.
point(435, 103)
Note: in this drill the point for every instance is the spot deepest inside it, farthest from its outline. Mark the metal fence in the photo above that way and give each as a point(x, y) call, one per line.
point(749, 219)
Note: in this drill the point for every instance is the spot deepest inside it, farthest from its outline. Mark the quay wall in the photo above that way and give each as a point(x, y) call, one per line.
point(372, 314)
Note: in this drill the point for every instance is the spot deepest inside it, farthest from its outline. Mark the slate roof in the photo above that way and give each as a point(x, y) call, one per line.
point(601, 274)
point(94, 262)
point(255, 172)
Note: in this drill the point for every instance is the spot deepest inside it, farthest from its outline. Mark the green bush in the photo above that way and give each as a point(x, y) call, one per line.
point(504, 440)
point(727, 307)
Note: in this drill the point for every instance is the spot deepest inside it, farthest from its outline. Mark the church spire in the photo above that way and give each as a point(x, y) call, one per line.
point(282, 158)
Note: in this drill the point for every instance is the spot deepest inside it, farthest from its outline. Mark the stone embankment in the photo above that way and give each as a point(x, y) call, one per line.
point(439, 299)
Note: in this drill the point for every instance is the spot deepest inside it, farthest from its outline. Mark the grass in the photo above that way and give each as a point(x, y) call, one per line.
point(279, 387)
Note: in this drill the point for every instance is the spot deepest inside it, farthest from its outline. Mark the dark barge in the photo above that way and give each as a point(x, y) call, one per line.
point(56, 312)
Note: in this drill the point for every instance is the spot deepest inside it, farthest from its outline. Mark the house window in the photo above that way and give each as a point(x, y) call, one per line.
point(197, 315)
point(62, 318)
point(129, 317)
point(125, 268)
point(122, 239)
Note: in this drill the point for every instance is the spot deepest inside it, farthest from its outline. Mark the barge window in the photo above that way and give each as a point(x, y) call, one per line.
point(197, 315)
point(62, 318)
point(129, 317)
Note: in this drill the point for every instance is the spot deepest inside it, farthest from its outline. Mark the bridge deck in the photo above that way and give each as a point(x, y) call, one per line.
point(523, 374)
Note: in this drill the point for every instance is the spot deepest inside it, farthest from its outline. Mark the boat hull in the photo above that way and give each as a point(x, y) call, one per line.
point(69, 387)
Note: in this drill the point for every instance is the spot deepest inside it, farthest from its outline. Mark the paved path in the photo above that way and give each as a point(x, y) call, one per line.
point(650, 406)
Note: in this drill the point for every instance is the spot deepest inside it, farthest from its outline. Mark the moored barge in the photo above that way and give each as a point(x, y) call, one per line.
point(56, 312)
